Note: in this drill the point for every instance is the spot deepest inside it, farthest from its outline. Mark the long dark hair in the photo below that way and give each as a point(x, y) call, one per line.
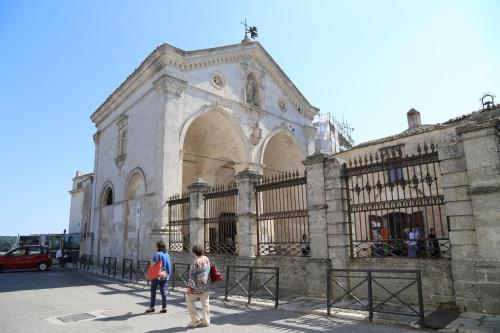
point(160, 245)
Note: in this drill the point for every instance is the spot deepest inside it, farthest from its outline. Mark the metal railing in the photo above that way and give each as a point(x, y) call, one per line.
point(180, 273)
point(142, 271)
point(178, 228)
point(220, 220)
point(127, 268)
point(253, 281)
point(376, 290)
point(109, 266)
point(86, 261)
point(396, 204)
point(282, 215)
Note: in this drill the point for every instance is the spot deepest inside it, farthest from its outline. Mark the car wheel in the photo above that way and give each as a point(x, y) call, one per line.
point(43, 266)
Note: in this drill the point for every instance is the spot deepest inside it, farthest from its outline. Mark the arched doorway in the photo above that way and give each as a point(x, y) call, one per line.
point(106, 202)
point(135, 192)
point(213, 150)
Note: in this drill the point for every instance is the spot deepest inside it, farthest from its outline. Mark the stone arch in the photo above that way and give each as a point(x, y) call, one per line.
point(134, 193)
point(281, 151)
point(106, 217)
point(214, 147)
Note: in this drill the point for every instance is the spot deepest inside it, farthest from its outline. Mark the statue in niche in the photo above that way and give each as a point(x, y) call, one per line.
point(251, 90)
point(256, 134)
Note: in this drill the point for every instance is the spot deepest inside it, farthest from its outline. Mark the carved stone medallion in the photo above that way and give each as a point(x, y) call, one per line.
point(256, 134)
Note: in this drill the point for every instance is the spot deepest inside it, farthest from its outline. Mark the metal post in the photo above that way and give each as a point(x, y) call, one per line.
point(114, 268)
point(328, 292)
point(250, 285)
point(103, 265)
point(277, 287)
point(370, 296)
point(420, 300)
point(173, 277)
point(227, 284)
point(123, 269)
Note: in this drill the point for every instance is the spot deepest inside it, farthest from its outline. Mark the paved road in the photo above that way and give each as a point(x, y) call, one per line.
point(32, 301)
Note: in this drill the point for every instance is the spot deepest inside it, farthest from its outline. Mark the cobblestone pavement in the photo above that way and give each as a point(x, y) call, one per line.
point(64, 300)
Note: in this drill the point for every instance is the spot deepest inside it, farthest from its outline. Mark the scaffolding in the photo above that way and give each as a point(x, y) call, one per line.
point(332, 136)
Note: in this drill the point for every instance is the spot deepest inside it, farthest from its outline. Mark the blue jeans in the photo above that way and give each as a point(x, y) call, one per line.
point(154, 285)
point(412, 250)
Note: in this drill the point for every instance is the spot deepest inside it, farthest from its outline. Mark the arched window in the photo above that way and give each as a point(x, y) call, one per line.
point(108, 197)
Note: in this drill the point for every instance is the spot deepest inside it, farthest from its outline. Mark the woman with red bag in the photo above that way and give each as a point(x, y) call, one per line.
point(158, 273)
point(198, 287)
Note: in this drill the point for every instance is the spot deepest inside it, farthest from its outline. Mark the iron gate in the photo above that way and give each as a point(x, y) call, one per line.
point(396, 205)
point(220, 222)
point(178, 219)
point(282, 216)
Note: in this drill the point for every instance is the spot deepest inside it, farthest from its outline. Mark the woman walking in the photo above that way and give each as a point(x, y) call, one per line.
point(198, 288)
point(161, 281)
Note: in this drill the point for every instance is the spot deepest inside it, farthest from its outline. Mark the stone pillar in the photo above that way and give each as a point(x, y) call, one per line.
point(481, 145)
point(455, 183)
point(337, 217)
point(247, 224)
point(316, 204)
point(196, 212)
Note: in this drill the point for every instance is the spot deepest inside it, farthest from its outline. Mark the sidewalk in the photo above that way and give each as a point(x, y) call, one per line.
point(468, 322)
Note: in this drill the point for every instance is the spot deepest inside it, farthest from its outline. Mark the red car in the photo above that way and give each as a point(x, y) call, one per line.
point(28, 256)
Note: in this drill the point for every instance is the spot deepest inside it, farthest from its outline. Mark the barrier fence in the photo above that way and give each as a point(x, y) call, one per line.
point(376, 290)
point(86, 261)
point(127, 268)
point(251, 281)
point(180, 273)
point(142, 270)
point(109, 266)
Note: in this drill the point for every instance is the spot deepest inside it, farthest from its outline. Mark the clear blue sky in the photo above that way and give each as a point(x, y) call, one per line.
point(369, 61)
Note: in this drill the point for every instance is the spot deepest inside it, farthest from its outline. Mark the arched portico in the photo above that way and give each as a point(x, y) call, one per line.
point(135, 191)
point(281, 152)
point(214, 148)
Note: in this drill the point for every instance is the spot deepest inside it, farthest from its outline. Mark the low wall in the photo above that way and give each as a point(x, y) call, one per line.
point(437, 279)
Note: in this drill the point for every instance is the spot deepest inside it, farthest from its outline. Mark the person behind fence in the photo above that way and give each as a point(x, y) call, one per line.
point(198, 287)
point(434, 244)
point(161, 281)
point(412, 243)
point(306, 247)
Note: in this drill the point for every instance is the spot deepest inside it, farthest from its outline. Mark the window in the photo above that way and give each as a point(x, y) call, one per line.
point(395, 175)
point(108, 197)
point(79, 185)
point(35, 250)
point(18, 252)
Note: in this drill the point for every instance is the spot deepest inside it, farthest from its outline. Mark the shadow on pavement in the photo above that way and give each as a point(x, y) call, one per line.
point(55, 277)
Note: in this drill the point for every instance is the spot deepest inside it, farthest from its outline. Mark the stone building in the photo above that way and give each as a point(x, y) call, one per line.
point(81, 195)
point(426, 199)
point(187, 115)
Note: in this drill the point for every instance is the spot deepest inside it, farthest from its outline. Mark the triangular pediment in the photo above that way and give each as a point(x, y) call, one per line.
point(167, 56)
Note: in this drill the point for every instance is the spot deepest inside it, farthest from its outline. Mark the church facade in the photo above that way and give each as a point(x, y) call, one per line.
point(188, 115)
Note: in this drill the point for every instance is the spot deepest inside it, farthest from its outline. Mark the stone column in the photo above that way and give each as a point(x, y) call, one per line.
point(339, 250)
point(316, 204)
point(247, 224)
point(481, 145)
point(196, 212)
point(462, 226)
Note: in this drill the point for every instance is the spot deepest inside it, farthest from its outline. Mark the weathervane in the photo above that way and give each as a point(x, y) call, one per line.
point(250, 30)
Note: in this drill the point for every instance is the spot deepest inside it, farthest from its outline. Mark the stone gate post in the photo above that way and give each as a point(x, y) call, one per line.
point(196, 212)
point(247, 224)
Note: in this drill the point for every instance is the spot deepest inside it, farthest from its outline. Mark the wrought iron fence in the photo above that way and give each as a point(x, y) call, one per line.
point(86, 261)
point(376, 290)
point(142, 271)
point(180, 274)
point(178, 217)
point(253, 281)
point(109, 266)
point(220, 222)
point(396, 205)
point(282, 215)
point(127, 268)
